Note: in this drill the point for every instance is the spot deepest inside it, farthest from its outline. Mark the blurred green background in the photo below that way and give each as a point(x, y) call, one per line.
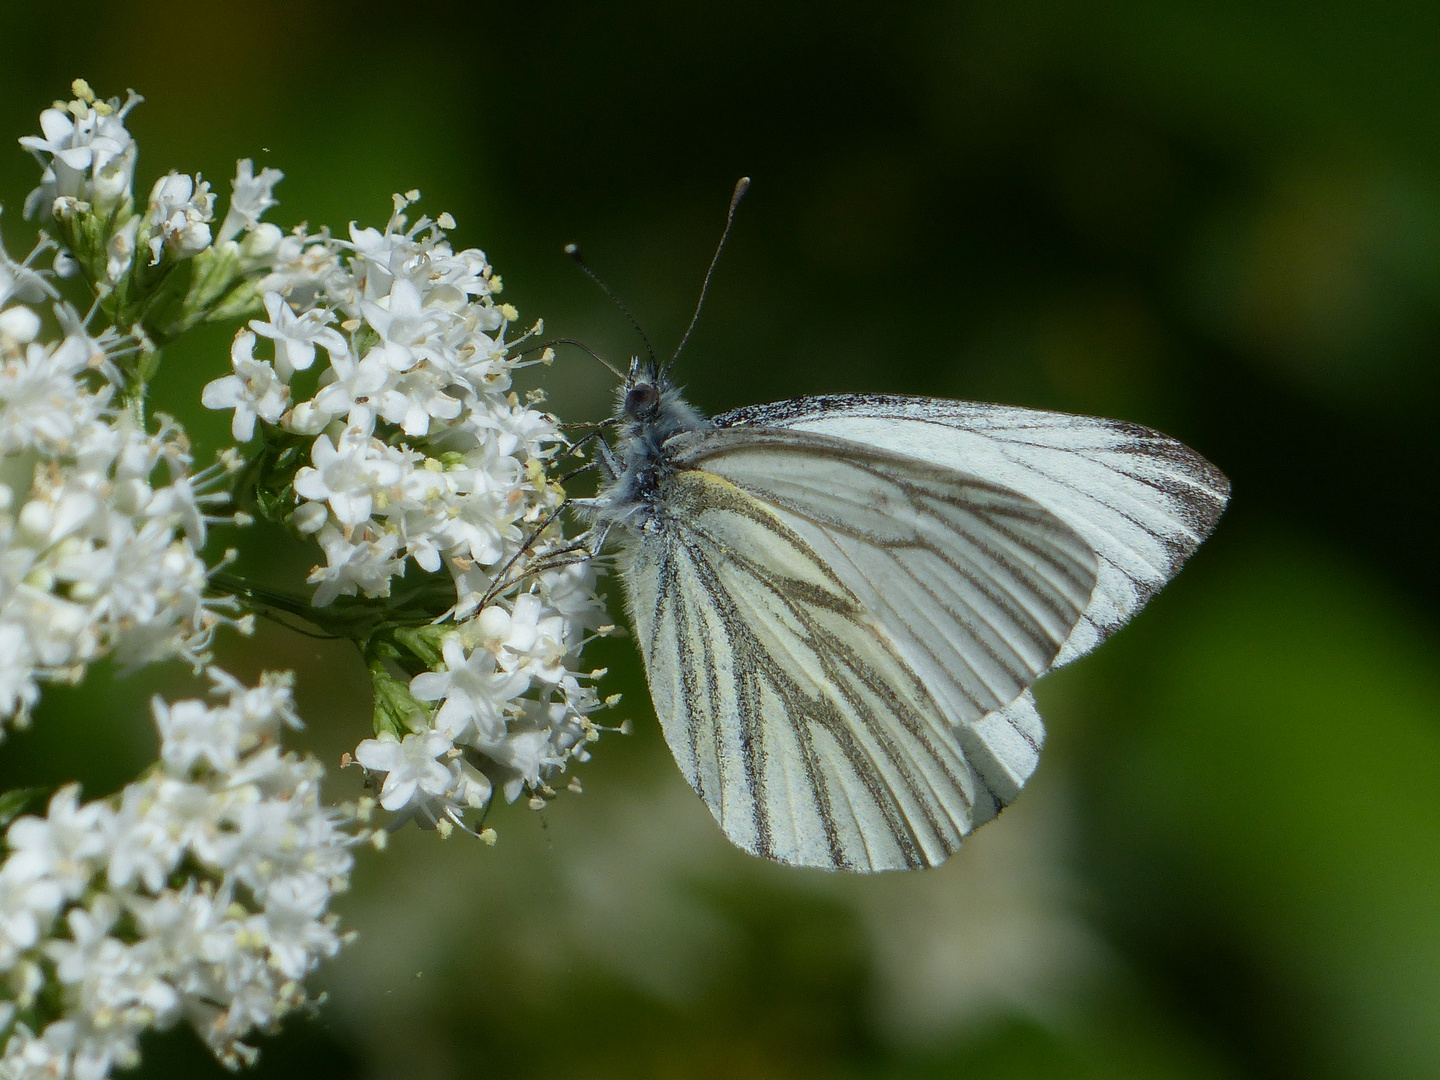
point(1220, 219)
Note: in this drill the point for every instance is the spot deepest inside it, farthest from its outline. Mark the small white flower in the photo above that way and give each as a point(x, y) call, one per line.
point(349, 381)
point(144, 849)
point(346, 475)
point(90, 945)
point(414, 400)
point(255, 391)
point(86, 151)
point(260, 248)
point(409, 765)
point(181, 209)
point(70, 144)
point(366, 566)
point(250, 197)
point(296, 336)
point(527, 753)
point(404, 326)
point(19, 282)
point(41, 404)
point(192, 733)
point(528, 639)
point(474, 691)
point(517, 430)
point(469, 789)
point(570, 590)
point(66, 847)
point(294, 926)
point(110, 183)
point(262, 709)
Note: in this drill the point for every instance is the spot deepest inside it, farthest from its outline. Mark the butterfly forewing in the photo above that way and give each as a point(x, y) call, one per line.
point(1140, 500)
point(838, 642)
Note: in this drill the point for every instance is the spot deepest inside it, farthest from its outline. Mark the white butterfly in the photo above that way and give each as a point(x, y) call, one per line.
point(842, 602)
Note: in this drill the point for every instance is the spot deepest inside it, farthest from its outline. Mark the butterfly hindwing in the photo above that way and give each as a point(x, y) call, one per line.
point(839, 642)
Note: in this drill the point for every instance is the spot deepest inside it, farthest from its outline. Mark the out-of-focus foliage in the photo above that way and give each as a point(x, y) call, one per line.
point(1219, 219)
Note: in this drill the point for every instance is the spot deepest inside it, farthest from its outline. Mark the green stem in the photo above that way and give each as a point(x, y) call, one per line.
point(359, 621)
point(258, 598)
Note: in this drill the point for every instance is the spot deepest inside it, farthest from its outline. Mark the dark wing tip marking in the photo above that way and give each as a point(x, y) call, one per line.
point(1196, 491)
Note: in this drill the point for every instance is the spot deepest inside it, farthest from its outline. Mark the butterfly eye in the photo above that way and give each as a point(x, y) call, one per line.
point(640, 398)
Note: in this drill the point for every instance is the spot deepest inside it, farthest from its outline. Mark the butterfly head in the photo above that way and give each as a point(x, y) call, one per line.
point(641, 393)
point(650, 406)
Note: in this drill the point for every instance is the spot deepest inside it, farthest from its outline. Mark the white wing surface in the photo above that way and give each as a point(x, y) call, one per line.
point(839, 640)
point(1141, 500)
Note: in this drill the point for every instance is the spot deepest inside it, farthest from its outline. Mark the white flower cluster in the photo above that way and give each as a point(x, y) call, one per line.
point(98, 542)
point(201, 891)
point(507, 694)
point(88, 160)
point(390, 366)
point(386, 364)
point(379, 385)
point(90, 915)
point(87, 154)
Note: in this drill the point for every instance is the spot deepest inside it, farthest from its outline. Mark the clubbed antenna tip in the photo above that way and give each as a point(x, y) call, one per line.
point(573, 250)
point(741, 187)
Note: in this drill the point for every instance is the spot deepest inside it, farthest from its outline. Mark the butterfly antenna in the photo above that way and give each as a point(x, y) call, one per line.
point(741, 186)
point(573, 250)
point(579, 345)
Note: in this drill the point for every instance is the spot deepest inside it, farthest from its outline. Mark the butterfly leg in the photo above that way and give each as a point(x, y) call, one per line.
point(608, 459)
point(584, 547)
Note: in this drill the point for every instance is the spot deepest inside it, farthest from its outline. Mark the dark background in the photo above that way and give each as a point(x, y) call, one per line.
point(1219, 219)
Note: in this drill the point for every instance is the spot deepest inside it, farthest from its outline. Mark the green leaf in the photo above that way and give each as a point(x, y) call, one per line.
point(424, 642)
point(395, 707)
point(13, 803)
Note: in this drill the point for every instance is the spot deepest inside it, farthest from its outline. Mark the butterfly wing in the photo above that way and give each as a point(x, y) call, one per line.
point(839, 640)
point(1141, 500)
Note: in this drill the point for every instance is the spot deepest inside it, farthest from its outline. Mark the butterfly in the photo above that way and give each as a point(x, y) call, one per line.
point(842, 602)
